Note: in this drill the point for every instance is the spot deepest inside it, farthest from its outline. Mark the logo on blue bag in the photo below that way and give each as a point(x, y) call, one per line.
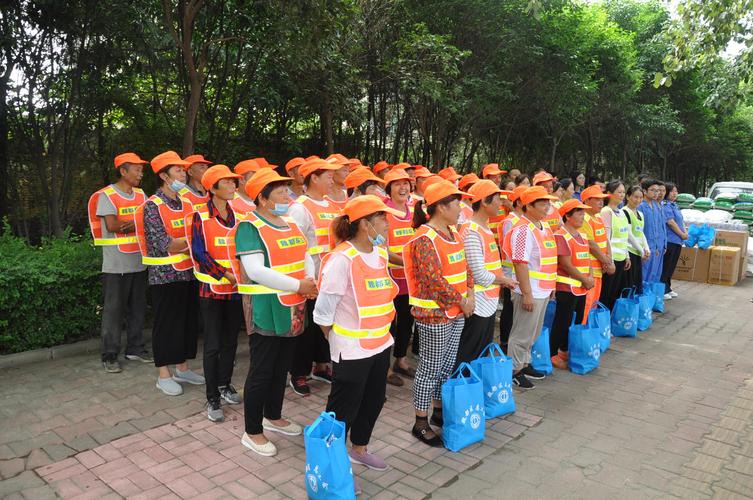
point(607, 333)
point(595, 352)
point(475, 415)
point(313, 478)
point(626, 323)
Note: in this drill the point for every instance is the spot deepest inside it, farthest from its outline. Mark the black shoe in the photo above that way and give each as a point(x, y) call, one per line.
point(521, 381)
point(534, 374)
point(214, 410)
point(230, 395)
point(111, 365)
point(300, 386)
point(323, 376)
point(435, 442)
point(436, 418)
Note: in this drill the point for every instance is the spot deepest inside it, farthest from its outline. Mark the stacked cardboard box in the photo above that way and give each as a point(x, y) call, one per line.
point(693, 265)
point(724, 266)
point(738, 239)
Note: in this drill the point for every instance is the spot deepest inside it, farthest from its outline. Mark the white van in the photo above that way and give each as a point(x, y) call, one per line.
point(730, 188)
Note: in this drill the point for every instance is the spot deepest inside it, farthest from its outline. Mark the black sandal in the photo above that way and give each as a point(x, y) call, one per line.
point(420, 434)
point(436, 418)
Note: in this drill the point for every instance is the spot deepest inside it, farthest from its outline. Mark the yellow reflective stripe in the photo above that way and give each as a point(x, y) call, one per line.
point(160, 261)
point(493, 266)
point(224, 262)
point(479, 288)
point(258, 290)
point(454, 279)
point(542, 276)
point(568, 281)
point(396, 248)
point(360, 334)
point(115, 241)
point(370, 311)
point(602, 244)
point(426, 303)
point(507, 263)
point(583, 270)
point(548, 260)
point(205, 278)
point(289, 268)
point(316, 250)
point(492, 225)
point(321, 231)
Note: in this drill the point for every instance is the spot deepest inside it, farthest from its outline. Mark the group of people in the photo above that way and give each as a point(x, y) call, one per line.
point(337, 269)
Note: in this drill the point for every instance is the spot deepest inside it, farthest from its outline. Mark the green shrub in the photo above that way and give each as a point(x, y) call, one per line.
point(50, 294)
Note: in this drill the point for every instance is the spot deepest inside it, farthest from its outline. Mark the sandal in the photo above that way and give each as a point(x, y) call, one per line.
point(394, 379)
point(409, 372)
point(436, 418)
point(420, 434)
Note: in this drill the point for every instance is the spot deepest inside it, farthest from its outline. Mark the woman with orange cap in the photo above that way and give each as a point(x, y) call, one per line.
point(219, 303)
point(279, 277)
point(503, 231)
point(363, 181)
point(598, 242)
point(246, 169)
point(533, 252)
point(438, 284)
point(193, 191)
point(354, 310)
point(399, 233)
point(573, 279)
point(338, 194)
point(482, 253)
point(464, 184)
point(292, 168)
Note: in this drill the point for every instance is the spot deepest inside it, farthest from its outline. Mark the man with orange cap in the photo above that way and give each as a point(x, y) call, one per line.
point(492, 172)
point(313, 214)
point(503, 232)
point(421, 173)
point(111, 212)
point(296, 188)
point(545, 179)
point(449, 174)
point(465, 182)
point(533, 252)
point(160, 226)
point(194, 191)
point(338, 194)
point(220, 305)
point(381, 168)
point(363, 181)
point(598, 243)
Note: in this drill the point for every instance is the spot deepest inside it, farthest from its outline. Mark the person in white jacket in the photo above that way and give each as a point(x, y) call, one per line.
point(638, 249)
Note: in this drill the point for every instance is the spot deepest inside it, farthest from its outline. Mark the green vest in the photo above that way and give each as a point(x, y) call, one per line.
point(619, 238)
point(636, 227)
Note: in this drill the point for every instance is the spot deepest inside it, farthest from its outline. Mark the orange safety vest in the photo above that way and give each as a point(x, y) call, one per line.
point(175, 226)
point(496, 222)
point(399, 233)
point(339, 204)
point(286, 252)
point(374, 292)
point(492, 260)
point(466, 210)
point(600, 238)
point(322, 217)
point(547, 272)
point(451, 255)
point(241, 206)
point(125, 208)
point(502, 238)
point(197, 201)
point(553, 218)
point(216, 238)
point(580, 258)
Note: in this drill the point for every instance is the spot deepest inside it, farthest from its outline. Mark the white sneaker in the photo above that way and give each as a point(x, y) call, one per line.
point(169, 386)
point(673, 294)
point(667, 296)
point(189, 377)
point(266, 450)
point(292, 429)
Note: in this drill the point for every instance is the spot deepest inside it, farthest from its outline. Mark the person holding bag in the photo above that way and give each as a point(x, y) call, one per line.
point(573, 279)
point(354, 310)
point(438, 284)
point(618, 229)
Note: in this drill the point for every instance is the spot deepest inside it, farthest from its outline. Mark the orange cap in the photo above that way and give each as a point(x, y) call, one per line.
point(516, 193)
point(215, 174)
point(396, 174)
point(197, 159)
point(368, 204)
point(354, 163)
point(449, 174)
point(246, 166)
point(129, 158)
point(264, 163)
point(403, 166)
point(432, 179)
point(312, 157)
point(337, 158)
point(492, 169)
point(312, 166)
point(542, 177)
point(359, 176)
point(260, 180)
point(380, 165)
point(468, 179)
point(422, 171)
point(593, 192)
point(571, 205)
point(482, 189)
point(294, 162)
point(441, 190)
point(168, 158)
point(535, 193)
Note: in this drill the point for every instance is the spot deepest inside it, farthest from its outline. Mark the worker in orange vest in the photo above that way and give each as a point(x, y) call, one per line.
point(241, 204)
point(598, 243)
point(545, 179)
point(464, 184)
point(354, 310)
point(338, 194)
point(160, 227)
point(492, 172)
point(208, 234)
point(503, 232)
point(111, 211)
point(193, 190)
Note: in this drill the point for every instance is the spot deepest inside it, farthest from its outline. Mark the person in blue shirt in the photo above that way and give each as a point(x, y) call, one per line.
point(676, 234)
point(655, 229)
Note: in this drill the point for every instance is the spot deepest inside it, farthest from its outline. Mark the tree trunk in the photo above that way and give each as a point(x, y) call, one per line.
point(326, 118)
point(555, 143)
point(4, 158)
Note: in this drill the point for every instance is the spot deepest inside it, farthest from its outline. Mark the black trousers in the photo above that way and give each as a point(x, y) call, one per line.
point(402, 326)
point(635, 274)
point(311, 347)
point(264, 389)
point(670, 262)
point(176, 322)
point(567, 304)
point(505, 318)
point(222, 322)
point(478, 332)
point(612, 285)
point(357, 394)
point(124, 297)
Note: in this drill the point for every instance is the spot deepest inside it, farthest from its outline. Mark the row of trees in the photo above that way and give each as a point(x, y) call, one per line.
point(558, 84)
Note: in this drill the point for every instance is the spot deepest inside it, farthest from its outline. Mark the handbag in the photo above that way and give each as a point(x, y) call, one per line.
point(328, 472)
point(541, 359)
point(463, 409)
point(583, 347)
point(495, 370)
point(625, 315)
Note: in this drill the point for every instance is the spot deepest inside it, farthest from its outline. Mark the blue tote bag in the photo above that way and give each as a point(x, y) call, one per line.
point(551, 309)
point(463, 409)
point(645, 307)
point(601, 317)
point(328, 471)
point(495, 370)
point(625, 315)
point(657, 288)
point(584, 346)
point(541, 359)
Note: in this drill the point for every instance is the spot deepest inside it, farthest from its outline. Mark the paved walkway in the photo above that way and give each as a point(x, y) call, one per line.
point(667, 414)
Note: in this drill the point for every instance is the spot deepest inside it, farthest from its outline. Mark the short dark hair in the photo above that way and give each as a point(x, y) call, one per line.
point(266, 191)
point(565, 182)
point(567, 215)
point(614, 185)
point(647, 183)
point(476, 206)
point(217, 185)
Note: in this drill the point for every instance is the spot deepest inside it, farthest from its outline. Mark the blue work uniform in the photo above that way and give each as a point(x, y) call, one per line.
point(655, 230)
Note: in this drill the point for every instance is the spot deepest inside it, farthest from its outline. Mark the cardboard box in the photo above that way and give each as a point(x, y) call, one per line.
point(693, 265)
point(738, 239)
point(724, 266)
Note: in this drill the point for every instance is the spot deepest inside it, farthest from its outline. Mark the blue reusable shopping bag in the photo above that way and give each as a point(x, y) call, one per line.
point(328, 471)
point(601, 318)
point(463, 409)
point(658, 288)
point(495, 370)
point(625, 315)
point(551, 309)
point(583, 347)
point(645, 306)
point(541, 359)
